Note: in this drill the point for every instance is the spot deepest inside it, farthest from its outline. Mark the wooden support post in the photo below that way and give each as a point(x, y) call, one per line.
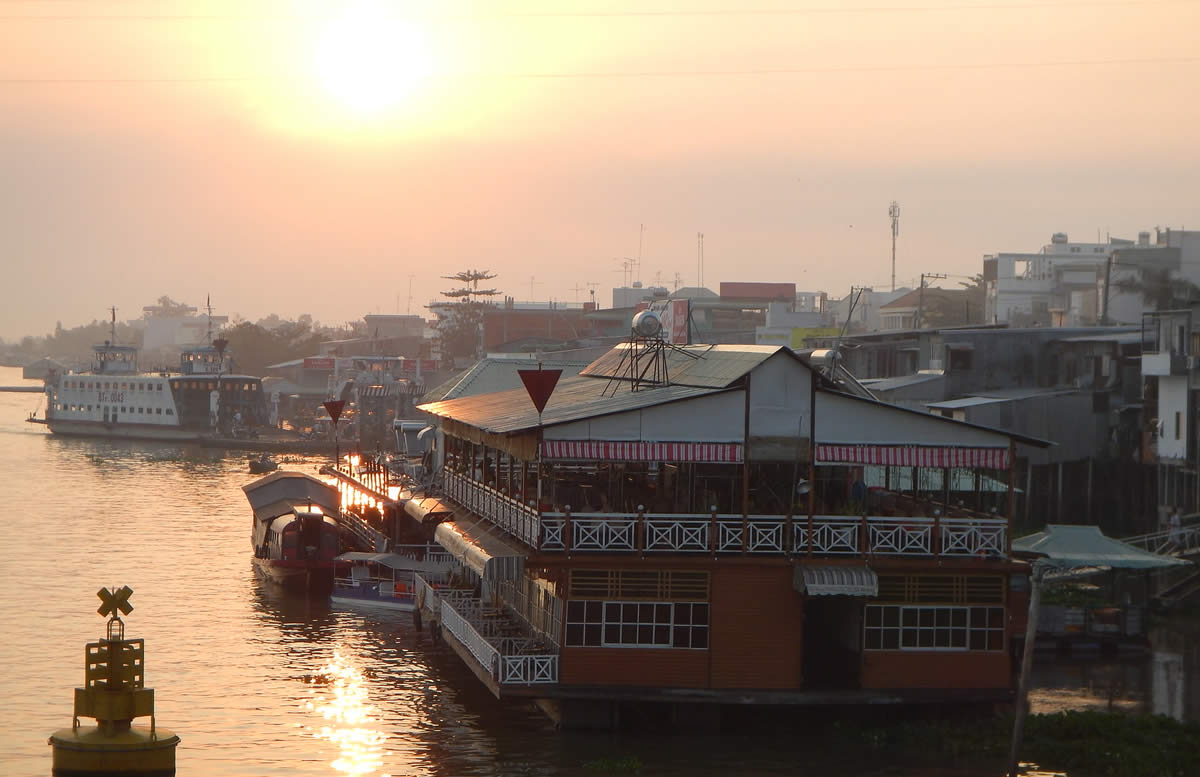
point(1058, 502)
point(812, 454)
point(1037, 572)
point(1012, 495)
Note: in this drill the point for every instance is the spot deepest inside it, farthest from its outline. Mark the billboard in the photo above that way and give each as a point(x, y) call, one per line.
point(758, 291)
point(318, 363)
point(675, 315)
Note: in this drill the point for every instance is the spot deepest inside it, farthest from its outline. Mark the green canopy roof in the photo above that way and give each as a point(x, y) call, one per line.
point(1086, 546)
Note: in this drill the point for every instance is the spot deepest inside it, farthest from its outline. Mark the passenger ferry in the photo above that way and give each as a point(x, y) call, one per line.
point(115, 400)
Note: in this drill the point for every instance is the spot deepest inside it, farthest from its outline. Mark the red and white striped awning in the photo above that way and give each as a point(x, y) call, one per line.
point(642, 451)
point(913, 456)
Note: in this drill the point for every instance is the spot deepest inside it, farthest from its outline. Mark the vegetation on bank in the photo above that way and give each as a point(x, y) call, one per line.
point(1082, 744)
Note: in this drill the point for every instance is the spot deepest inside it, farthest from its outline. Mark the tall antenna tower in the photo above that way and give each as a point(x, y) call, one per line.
point(408, 309)
point(894, 214)
point(641, 235)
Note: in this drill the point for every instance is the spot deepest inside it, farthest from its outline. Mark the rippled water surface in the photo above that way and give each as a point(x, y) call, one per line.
point(254, 682)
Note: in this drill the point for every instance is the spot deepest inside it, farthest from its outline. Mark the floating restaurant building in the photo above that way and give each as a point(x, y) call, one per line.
point(710, 525)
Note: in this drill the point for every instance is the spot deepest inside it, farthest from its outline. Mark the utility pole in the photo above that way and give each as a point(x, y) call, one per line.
point(920, 320)
point(641, 236)
point(894, 214)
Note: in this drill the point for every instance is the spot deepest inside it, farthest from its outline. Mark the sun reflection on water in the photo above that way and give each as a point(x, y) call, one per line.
point(339, 696)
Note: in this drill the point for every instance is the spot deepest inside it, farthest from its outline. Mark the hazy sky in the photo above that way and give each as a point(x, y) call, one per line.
point(313, 156)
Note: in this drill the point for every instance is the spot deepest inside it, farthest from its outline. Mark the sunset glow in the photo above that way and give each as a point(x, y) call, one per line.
point(368, 59)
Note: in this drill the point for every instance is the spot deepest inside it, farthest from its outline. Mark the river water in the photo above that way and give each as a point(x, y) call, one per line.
point(260, 684)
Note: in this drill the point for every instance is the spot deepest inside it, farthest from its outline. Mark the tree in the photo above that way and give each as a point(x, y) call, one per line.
point(460, 330)
point(1159, 290)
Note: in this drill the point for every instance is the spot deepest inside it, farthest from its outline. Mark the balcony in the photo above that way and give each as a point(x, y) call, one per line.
point(717, 533)
point(774, 534)
point(496, 639)
point(508, 513)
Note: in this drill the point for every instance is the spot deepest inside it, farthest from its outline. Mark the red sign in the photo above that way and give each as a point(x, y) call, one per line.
point(313, 363)
point(540, 385)
point(334, 408)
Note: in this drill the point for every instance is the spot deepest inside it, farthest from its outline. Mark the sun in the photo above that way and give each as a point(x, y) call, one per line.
point(370, 59)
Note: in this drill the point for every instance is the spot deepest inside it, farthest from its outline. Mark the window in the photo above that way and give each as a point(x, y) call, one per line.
point(898, 627)
point(637, 624)
point(158, 411)
point(141, 410)
point(170, 411)
point(160, 387)
point(1074, 249)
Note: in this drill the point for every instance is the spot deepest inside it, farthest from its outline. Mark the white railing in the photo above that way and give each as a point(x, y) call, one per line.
point(675, 533)
point(530, 670)
point(1185, 539)
point(974, 536)
point(506, 512)
point(594, 531)
point(763, 533)
point(485, 653)
point(505, 657)
point(900, 536)
point(830, 534)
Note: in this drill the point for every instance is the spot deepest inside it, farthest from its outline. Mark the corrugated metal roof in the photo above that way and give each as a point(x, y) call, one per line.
point(717, 366)
point(504, 412)
point(1078, 546)
point(496, 374)
point(902, 381)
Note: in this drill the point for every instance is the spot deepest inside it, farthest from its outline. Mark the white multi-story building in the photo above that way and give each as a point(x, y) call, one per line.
point(1058, 285)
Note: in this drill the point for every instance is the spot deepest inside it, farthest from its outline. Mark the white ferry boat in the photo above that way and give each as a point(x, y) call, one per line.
point(115, 400)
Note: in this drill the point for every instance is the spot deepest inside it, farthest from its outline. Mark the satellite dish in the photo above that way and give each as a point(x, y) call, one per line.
point(647, 324)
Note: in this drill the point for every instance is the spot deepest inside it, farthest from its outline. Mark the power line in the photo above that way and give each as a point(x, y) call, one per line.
point(618, 74)
point(598, 14)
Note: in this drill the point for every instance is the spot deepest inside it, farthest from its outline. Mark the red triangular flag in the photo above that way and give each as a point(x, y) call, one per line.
point(540, 385)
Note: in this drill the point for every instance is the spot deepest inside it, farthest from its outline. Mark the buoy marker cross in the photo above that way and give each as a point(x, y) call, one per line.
point(114, 600)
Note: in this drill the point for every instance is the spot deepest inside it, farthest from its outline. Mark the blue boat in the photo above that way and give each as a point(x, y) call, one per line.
point(386, 579)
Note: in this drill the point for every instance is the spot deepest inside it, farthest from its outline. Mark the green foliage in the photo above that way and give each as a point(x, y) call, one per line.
point(1083, 744)
point(255, 348)
point(460, 330)
point(614, 765)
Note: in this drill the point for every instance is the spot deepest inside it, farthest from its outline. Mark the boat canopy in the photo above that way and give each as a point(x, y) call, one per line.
point(474, 544)
point(394, 561)
point(835, 580)
point(1086, 546)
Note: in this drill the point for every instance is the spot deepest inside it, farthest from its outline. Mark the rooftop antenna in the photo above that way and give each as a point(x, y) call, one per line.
point(532, 282)
point(641, 235)
point(208, 307)
point(894, 215)
point(408, 309)
point(592, 290)
point(678, 280)
point(112, 327)
point(576, 288)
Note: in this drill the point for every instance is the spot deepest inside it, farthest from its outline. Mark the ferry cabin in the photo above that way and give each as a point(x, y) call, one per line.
point(750, 531)
point(115, 397)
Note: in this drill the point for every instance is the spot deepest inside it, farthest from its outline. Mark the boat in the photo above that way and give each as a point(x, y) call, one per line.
point(114, 399)
point(296, 536)
point(387, 579)
point(262, 465)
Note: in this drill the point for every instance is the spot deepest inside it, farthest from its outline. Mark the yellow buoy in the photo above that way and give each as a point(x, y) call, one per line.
point(114, 694)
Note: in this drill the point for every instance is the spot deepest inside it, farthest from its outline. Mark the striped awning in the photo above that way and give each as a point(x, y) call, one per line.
point(913, 456)
point(595, 450)
point(835, 580)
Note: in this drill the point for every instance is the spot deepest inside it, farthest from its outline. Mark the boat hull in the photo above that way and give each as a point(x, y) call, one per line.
point(304, 576)
point(122, 431)
point(369, 596)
